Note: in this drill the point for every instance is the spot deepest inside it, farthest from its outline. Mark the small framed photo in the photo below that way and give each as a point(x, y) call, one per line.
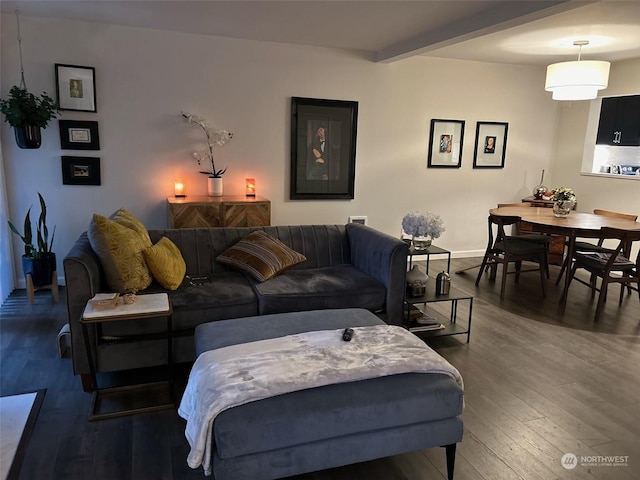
point(323, 148)
point(76, 87)
point(80, 170)
point(446, 138)
point(491, 145)
point(79, 135)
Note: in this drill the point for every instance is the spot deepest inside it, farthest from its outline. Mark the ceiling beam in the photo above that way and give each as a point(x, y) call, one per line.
point(508, 14)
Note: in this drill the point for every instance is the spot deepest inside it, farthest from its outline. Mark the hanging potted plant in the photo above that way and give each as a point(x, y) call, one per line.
point(214, 137)
point(27, 114)
point(38, 260)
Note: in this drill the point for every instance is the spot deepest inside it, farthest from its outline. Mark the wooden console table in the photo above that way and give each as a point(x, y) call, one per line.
point(226, 211)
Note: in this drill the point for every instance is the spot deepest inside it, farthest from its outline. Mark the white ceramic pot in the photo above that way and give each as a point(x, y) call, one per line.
point(214, 186)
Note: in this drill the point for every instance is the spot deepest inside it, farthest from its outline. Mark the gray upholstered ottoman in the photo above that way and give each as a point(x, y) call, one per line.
point(328, 426)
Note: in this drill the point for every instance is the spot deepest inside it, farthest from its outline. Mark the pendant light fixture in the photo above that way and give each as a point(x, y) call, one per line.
point(578, 80)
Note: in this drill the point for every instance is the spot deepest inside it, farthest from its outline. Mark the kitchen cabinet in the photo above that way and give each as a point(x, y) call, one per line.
point(619, 123)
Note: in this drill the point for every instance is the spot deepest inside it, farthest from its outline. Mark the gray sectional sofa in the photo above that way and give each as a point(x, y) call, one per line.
point(347, 266)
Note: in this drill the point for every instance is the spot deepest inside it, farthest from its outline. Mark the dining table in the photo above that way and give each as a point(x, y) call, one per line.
point(575, 225)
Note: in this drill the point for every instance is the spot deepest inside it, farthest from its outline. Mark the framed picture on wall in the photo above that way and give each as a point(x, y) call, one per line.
point(323, 148)
point(80, 170)
point(79, 135)
point(76, 87)
point(491, 144)
point(446, 138)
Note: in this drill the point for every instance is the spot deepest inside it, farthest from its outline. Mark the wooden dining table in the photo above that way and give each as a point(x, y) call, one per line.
point(575, 225)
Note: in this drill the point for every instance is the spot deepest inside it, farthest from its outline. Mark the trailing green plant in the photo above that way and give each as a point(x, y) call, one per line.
point(23, 108)
point(42, 233)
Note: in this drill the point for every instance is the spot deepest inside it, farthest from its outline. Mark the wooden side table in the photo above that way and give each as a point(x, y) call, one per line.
point(155, 305)
point(226, 211)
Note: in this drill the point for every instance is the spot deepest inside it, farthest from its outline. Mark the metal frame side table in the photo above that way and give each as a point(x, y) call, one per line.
point(451, 324)
point(156, 305)
point(430, 250)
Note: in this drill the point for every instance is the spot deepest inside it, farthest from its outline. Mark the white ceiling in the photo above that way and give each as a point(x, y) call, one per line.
point(526, 32)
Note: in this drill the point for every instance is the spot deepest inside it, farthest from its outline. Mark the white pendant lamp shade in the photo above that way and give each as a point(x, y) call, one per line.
point(579, 80)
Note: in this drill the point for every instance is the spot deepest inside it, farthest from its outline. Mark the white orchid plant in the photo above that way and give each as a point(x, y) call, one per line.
point(214, 137)
point(420, 224)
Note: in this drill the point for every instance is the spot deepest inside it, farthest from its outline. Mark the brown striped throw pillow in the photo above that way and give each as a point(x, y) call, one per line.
point(261, 256)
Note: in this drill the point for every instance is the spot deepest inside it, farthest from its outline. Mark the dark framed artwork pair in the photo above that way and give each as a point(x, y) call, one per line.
point(323, 148)
point(446, 140)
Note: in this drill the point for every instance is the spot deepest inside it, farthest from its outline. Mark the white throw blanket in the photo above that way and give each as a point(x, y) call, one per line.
point(239, 374)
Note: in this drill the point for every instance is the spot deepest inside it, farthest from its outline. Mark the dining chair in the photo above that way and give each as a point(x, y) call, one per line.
point(597, 247)
point(611, 266)
point(503, 249)
point(531, 237)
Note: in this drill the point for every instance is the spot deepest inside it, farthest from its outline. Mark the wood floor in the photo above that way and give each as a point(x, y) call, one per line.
point(539, 383)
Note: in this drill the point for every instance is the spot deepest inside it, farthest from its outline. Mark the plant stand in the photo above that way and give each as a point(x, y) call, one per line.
point(53, 286)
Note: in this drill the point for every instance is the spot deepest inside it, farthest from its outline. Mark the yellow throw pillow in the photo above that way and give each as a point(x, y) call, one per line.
point(261, 256)
point(123, 217)
point(119, 249)
point(166, 263)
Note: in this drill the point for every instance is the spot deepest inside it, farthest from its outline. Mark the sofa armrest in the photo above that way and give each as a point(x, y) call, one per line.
point(83, 279)
point(384, 258)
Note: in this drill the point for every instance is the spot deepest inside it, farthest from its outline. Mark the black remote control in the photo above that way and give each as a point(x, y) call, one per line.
point(347, 334)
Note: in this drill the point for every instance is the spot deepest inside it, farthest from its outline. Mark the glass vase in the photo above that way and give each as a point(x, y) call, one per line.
point(562, 208)
point(420, 242)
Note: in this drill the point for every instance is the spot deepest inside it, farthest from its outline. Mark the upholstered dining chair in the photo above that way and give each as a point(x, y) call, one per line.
point(611, 266)
point(596, 247)
point(531, 237)
point(503, 249)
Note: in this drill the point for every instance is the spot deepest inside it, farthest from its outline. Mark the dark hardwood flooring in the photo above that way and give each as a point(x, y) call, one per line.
point(539, 382)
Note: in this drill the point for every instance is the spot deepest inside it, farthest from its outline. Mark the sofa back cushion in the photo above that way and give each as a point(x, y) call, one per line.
point(322, 245)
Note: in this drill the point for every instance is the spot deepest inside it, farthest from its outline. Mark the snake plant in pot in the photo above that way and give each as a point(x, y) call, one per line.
point(27, 114)
point(38, 260)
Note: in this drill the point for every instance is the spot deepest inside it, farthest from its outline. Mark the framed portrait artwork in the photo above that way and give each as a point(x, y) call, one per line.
point(491, 144)
point(76, 87)
point(80, 170)
point(323, 148)
point(446, 138)
point(79, 135)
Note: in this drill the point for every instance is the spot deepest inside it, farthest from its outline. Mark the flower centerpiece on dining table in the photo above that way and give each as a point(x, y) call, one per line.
point(564, 199)
point(422, 228)
point(214, 137)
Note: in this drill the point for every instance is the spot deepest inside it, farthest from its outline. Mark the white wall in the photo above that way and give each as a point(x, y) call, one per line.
point(145, 78)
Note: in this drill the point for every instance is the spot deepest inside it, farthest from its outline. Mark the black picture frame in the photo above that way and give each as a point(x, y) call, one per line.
point(79, 135)
point(331, 174)
point(76, 87)
point(80, 170)
point(491, 145)
point(446, 139)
